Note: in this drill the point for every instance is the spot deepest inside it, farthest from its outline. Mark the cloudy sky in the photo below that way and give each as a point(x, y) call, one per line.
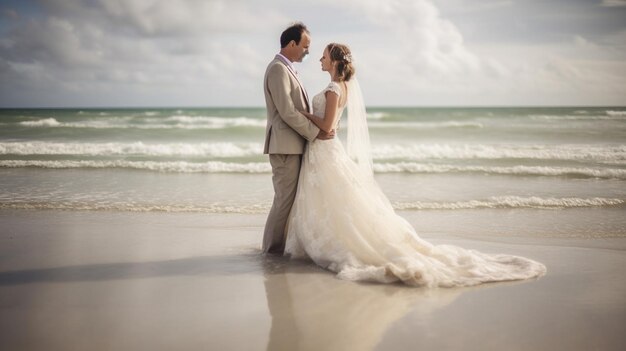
point(183, 53)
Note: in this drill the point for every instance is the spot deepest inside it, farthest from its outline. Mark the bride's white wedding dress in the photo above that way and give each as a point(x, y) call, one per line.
point(344, 222)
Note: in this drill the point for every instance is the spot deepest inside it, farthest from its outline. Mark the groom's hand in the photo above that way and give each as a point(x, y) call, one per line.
point(325, 136)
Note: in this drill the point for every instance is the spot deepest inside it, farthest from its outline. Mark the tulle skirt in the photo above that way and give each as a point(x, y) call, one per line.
point(343, 222)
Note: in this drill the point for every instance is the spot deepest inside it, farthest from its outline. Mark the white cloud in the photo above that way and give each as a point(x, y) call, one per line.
point(136, 53)
point(214, 52)
point(168, 18)
point(428, 43)
point(192, 17)
point(413, 54)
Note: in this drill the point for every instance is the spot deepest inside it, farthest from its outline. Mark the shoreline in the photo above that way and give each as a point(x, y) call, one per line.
point(109, 281)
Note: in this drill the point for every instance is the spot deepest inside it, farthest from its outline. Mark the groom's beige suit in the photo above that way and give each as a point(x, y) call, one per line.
point(285, 138)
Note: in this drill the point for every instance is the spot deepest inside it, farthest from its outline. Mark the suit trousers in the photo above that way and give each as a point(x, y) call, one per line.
point(285, 173)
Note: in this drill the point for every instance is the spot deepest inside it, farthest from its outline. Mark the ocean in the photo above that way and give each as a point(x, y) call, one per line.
point(557, 171)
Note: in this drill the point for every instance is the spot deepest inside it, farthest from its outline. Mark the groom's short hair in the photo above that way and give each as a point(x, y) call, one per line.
point(294, 32)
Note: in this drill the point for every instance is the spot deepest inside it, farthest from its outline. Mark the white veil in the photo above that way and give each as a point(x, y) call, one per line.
point(358, 140)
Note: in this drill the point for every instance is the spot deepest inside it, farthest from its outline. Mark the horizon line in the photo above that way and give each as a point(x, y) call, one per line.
point(263, 107)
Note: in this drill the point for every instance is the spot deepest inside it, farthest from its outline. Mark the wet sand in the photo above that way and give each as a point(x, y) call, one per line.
point(133, 281)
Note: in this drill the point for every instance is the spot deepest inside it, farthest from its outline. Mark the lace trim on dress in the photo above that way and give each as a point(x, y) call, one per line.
point(334, 87)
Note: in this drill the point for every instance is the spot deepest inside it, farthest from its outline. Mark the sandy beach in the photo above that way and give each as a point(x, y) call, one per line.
point(72, 280)
point(135, 182)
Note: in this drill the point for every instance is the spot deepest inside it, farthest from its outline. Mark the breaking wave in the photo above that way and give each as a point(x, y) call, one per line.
point(264, 167)
point(509, 202)
point(175, 122)
point(595, 153)
point(224, 149)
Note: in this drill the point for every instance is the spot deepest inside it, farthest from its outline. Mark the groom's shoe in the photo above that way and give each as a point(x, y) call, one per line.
point(276, 250)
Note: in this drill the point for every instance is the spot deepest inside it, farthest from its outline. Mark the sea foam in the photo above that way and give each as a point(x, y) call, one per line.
point(483, 151)
point(264, 167)
point(616, 113)
point(577, 172)
point(46, 122)
point(509, 202)
point(170, 167)
point(135, 207)
point(578, 117)
point(425, 125)
point(410, 152)
point(223, 149)
point(174, 122)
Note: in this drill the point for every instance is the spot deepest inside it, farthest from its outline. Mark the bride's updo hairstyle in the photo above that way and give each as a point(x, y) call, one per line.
point(341, 54)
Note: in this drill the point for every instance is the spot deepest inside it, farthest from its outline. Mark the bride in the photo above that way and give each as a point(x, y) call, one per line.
point(342, 220)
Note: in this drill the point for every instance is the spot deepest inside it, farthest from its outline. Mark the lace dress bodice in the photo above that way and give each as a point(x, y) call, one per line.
point(319, 101)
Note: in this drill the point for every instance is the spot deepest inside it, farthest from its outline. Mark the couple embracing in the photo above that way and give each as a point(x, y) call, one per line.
point(327, 205)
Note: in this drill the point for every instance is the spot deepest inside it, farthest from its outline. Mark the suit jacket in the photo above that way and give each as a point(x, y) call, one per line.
point(287, 129)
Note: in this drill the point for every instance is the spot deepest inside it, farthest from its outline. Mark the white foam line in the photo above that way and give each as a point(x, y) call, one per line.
point(511, 202)
point(615, 113)
point(425, 125)
point(174, 167)
point(224, 149)
point(78, 206)
point(264, 167)
point(484, 151)
point(183, 122)
point(596, 153)
point(409, 167)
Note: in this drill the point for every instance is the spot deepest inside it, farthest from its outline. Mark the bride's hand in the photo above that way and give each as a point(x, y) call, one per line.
point(306, 114)
point(322, 135)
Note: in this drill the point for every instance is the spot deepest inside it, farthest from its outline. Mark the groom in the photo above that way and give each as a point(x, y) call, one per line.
point(287, 130)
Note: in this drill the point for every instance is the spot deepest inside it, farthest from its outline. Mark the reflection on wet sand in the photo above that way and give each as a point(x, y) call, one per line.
point(313, 310)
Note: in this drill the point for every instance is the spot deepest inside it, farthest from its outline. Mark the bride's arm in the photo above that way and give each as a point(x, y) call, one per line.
point(330, 115)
